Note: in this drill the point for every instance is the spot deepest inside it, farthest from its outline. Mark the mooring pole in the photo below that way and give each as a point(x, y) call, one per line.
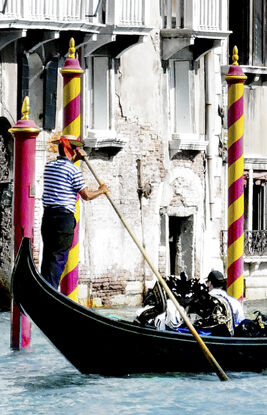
point(235, 249)
point(25, 133)
point(72, 73)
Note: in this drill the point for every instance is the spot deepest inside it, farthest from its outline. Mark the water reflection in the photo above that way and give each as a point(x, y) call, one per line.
point(54, 381)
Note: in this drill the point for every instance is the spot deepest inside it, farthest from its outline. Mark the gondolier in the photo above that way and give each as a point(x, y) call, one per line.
point(63, 180)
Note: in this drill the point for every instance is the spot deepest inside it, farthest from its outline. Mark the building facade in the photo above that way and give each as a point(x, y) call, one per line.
point(154, 122)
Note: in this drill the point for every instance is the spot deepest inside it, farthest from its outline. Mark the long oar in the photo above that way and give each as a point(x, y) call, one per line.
point(221, 374)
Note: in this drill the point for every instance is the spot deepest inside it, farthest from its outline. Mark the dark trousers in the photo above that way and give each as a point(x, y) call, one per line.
point(57, 233)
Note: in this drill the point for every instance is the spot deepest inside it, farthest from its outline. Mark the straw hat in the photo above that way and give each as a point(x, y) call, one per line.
point(72, 139)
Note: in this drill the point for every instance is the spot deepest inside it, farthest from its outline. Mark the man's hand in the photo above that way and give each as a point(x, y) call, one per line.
point(104, 188)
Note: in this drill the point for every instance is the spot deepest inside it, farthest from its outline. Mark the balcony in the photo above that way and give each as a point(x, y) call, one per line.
point(255, 262)
point(82, 14)
point(198, 24)
point(88, 17)
point(255, 245)
point(51, 14)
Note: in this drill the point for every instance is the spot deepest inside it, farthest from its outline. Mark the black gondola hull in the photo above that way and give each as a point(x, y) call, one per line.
point(101, 345)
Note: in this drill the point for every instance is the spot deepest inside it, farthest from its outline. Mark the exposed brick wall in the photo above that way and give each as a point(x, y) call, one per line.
point(142, 143)
point(192, 160)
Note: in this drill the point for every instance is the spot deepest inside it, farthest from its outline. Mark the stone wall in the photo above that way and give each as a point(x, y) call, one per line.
point(5, 227)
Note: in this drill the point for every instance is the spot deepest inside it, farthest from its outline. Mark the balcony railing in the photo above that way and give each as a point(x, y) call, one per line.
point(128, 12)
point(255, 243)
point(196, 15)
point(64, 13)
point(56, 11)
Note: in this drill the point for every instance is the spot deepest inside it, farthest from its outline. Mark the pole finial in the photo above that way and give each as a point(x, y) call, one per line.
point(25, 110)
point(72, 49)
point(235, 56)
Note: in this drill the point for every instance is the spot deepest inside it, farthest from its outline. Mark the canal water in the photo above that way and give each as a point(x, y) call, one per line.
point(41, 381)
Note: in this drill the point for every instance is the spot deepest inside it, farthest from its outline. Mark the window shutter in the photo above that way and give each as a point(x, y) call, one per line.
point(50, 94)
point(23, 82)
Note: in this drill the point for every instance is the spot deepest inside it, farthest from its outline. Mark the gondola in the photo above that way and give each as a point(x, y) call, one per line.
point(96, 344)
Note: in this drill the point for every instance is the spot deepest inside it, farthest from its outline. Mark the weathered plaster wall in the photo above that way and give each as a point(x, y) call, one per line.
point(116, 266)
point(109, 258)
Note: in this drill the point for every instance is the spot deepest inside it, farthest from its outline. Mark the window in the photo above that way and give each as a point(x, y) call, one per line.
point(255, 198)
point(258, 33)
point(247, 20)
point(99, 107)
point(187, 100)
point(100, 80)
point(182, 123)
point(255, 213)
point(258, 222)
point(50, 94)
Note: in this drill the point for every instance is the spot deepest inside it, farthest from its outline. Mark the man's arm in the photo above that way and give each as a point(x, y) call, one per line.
point(87, 194)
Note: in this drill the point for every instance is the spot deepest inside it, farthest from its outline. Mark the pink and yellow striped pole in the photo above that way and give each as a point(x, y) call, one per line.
point(235, 251)
point(72, 73)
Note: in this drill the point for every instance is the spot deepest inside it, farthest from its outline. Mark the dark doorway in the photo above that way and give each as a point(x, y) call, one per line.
point(181, 244)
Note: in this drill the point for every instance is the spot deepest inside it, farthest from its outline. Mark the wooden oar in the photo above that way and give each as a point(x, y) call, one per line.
point(219, 371)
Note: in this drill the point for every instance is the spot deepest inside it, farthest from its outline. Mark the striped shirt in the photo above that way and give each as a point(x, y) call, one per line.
point(62, 181)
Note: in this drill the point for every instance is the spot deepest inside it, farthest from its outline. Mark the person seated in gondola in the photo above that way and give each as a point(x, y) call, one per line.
point(211, 310)
point(216, 312)
point(242, 327)
point(210, 314)
point(63, 181)
point(216, 284)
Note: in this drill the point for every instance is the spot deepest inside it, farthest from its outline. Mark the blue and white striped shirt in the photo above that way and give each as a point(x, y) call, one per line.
point(62, 181)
